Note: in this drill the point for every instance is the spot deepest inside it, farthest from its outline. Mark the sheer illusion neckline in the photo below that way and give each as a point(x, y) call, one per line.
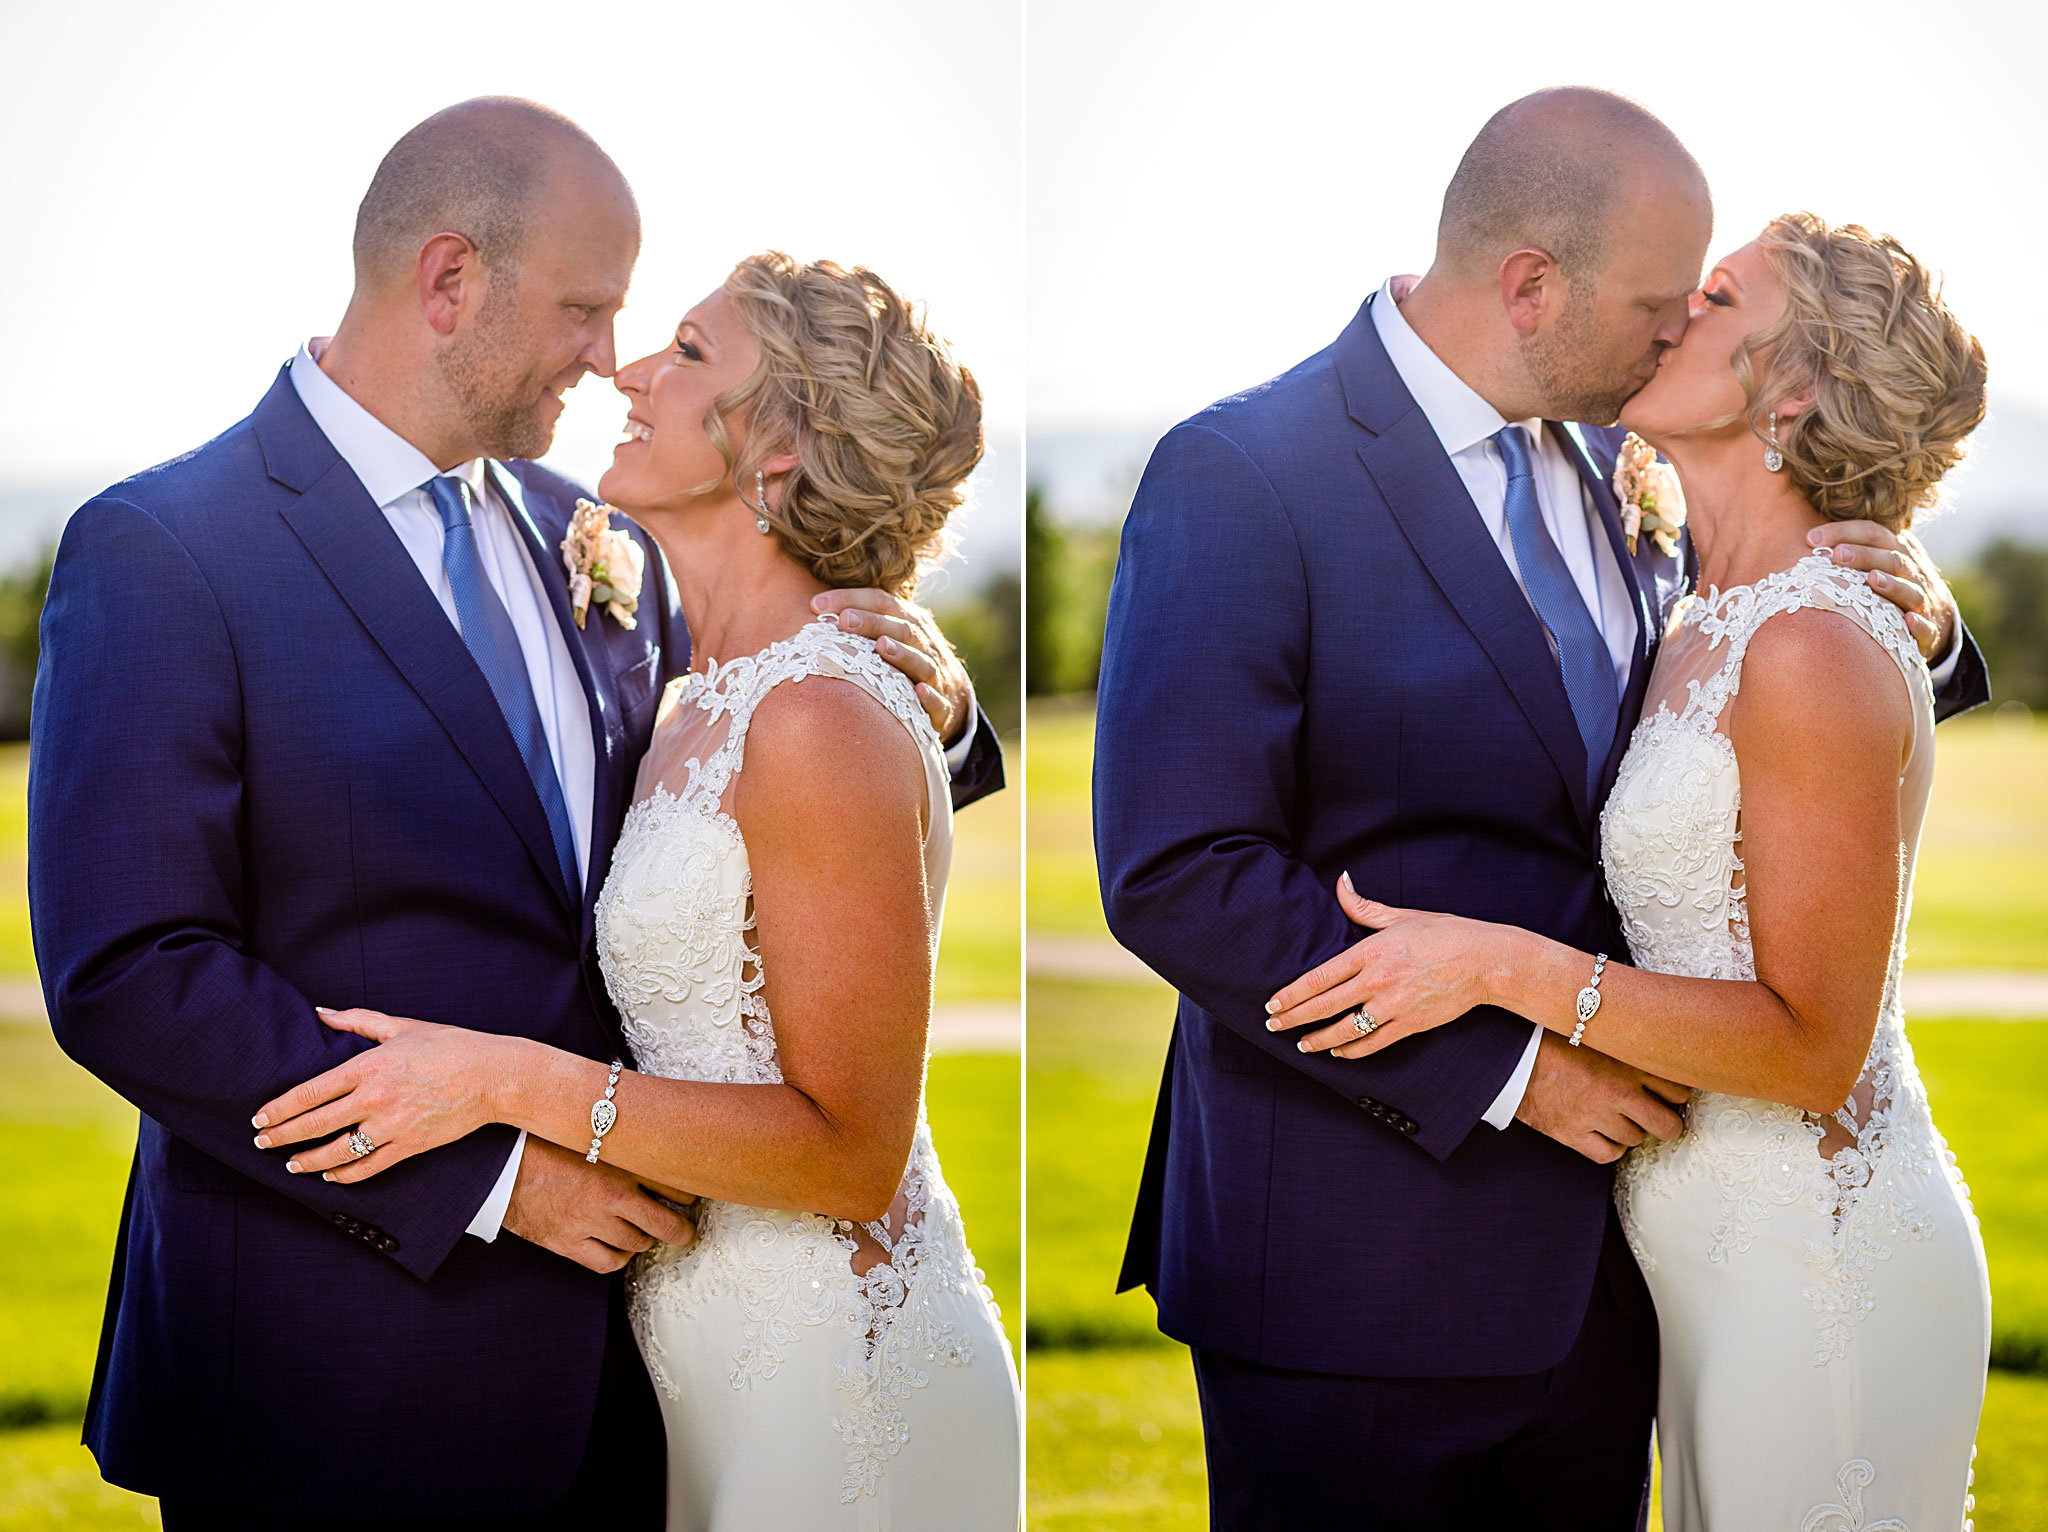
point(1718, 605)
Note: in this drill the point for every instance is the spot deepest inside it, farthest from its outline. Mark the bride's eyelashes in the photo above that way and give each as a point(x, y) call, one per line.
point(687, 351)
point(1718, 299)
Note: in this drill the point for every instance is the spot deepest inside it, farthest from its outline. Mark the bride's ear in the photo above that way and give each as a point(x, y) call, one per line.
point(1793, 408)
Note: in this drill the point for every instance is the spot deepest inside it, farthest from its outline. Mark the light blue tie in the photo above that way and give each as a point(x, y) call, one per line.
point(494, 643)
point(1581, 652)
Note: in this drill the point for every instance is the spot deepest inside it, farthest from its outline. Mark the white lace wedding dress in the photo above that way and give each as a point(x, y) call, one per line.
point(813, 1373)
point(1820, 1283)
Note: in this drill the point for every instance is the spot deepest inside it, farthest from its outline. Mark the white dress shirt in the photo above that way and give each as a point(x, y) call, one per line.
point(393, 470)
point(1464, 423)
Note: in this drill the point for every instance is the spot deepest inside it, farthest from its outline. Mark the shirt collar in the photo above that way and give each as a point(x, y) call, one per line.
point(389, 466)
point(1461, 419)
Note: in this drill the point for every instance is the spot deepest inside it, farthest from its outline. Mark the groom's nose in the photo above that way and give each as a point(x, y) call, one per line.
point(601, 355)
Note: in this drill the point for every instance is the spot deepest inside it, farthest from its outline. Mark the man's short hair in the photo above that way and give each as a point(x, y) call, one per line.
point(1545, 172)
point(472, 169)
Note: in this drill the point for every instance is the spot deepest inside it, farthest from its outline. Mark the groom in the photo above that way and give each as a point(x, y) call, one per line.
point(1329, 649)
point(313, 726)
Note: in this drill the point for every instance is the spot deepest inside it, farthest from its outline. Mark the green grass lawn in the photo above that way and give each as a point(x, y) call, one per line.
point(66, 1142)
point(979, 952)
point(1114, 1433)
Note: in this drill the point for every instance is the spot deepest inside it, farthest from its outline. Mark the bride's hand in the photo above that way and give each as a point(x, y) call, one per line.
point(1418, 971)
point(908, 637)
point(422, 1086)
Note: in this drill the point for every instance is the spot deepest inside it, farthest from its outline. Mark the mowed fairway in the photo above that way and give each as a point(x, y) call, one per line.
point(66, 1142)
point(1115, 1438)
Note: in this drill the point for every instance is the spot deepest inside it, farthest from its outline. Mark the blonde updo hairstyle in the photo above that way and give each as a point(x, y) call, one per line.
point(885, 424)
point(1896, 382)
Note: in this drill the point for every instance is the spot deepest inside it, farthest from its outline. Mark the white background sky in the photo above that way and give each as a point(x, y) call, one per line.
point(181, 180)
point(1214, 187)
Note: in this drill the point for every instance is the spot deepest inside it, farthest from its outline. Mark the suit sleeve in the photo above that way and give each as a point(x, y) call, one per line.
point(1969, 684)
point(981, 773)
point(136, 860)
point(1198, 731)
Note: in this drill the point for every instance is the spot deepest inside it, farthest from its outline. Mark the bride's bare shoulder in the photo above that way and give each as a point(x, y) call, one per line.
point(823, 750)
point(1819, 687)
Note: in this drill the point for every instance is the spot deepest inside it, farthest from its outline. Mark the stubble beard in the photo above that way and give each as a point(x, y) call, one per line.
point(1566, 366)
point(499, 406)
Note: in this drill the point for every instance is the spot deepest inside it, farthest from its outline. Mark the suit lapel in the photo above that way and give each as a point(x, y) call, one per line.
point(362, 557)
point(1437, 516)
point(1642, 590)
point(592, 658)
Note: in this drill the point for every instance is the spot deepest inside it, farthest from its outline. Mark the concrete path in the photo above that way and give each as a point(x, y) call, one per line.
point(2005, 995)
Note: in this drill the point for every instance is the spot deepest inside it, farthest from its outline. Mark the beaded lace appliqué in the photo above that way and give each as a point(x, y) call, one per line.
point(673, 926)
point(1670, 835)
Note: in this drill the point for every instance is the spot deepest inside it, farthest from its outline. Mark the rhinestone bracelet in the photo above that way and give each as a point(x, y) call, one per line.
point(604, 1112)
point(1589, 1001)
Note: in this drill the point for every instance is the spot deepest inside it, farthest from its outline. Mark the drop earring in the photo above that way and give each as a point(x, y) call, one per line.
point(761, 505)
point(1773, 458)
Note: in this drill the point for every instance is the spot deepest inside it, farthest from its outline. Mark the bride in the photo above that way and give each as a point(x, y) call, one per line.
point(1819, 1280)
point(825, 1352)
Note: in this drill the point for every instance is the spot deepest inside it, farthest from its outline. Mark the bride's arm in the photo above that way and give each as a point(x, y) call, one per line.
point(832, 804)
point(1821, 728)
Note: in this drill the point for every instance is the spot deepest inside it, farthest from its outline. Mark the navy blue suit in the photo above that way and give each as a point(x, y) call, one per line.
point(266, 773)
point(1318, 661)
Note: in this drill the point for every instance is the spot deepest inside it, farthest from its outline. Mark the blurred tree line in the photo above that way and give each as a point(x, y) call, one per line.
point(984, 625)
point(2003, 595)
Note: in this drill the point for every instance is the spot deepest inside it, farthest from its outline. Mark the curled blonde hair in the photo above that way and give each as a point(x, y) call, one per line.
point(1896, 382)
point(885, 424)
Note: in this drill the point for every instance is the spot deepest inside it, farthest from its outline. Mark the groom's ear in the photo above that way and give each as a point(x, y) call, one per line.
point(1532, 290)
point(451, 281)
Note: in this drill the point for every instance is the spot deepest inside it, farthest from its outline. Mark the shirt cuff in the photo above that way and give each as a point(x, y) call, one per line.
point(956, 757)
point(1509, 1101)
point(1945, 672)
point(490, 1218)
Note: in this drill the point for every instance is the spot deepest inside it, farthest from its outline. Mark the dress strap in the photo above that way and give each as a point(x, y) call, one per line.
point(1815, 582)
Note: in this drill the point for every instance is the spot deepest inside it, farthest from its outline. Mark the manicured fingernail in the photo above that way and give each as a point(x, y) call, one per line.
point(324, 1010)
point(1345, 879)
point(292, 1166)
point(1303, 1046)
point(259, 1121)
point(1272, 1007)
point(263, 1141)
point(327, 1175)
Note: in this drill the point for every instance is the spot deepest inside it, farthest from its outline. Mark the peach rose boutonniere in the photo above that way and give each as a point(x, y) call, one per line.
point(1651, 500)
point(605, 565)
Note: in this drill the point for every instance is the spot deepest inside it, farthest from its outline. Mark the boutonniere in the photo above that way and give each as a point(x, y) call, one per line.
point(1651, 500)
point(604, 564)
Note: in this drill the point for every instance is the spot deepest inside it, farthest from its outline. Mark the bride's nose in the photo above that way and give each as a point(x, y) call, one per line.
point(632, 378)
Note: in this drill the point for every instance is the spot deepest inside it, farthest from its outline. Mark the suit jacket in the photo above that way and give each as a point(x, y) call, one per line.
point(1317, 661)
point(266, 773)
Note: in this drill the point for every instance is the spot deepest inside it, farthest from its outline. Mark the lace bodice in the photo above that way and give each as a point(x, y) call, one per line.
point(1671, 836)
point(674, 926)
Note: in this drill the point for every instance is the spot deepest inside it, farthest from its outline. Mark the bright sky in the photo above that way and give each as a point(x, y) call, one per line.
point(183, 180)
point(1214, 187)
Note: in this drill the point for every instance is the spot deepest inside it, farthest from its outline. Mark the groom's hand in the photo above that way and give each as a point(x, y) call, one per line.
point(595, 1215)
point(909, 638)
point(1597, 1105)
point(1899, 569)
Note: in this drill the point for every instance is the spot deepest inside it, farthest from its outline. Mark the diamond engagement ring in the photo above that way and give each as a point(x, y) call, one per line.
point(359, 1143)
point(1364, 1025)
